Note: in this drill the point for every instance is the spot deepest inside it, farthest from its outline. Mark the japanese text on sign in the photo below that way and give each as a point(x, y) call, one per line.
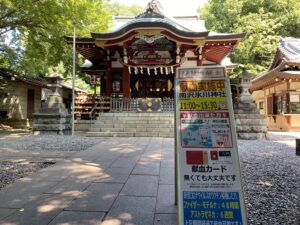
point(205, 130)
point(201, 73)
point(202, 95)
point(202, 207)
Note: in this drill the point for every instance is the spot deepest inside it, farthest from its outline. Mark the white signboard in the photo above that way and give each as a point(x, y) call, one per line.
point(209, 178)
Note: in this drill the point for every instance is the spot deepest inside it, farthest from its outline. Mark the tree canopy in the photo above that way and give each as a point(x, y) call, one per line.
point(117, 9)
point(32, 31)
point(265, 22)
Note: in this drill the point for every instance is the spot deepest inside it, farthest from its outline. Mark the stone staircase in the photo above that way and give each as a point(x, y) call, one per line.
point(133, 125)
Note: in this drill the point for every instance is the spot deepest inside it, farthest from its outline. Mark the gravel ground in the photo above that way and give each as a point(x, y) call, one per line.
point(271, 180)
point(48, 143)
point(11, 171)
point(270, 172)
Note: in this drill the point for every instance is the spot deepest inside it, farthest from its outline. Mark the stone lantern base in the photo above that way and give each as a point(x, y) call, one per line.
point(53, 118)
point(51, 121)
point(250, 125)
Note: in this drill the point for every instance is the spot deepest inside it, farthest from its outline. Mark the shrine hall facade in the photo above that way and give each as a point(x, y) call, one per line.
point(138, 59)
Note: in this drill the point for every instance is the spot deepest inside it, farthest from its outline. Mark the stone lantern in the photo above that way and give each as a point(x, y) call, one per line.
point(54, 98)
point(250, 125)
point(53, 118)
point(245, 83)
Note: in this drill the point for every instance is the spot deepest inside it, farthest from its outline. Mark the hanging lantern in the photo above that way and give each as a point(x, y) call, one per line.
point(129, 69)
point(177, 55)
point(141, 70)
point(177, 59)
point(148, 71)
point(172, 69)
point(107, 55)
point(200, 53)
point(136, 71)
point(167, 71)
point(155, 71)
point(125, 58)
point(161, 70)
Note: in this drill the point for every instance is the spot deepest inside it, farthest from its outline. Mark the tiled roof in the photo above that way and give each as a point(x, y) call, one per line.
point(155, 16)
point(36, 81)
point(288, 53)
point(290, 48)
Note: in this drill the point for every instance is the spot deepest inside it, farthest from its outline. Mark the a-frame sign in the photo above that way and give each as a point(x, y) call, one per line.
point(209, 182)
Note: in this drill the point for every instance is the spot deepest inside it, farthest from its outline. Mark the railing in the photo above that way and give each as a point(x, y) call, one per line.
point(168, 104)
point(123, 104)
point(115, 104)
point(131, 104)
point(92, 113)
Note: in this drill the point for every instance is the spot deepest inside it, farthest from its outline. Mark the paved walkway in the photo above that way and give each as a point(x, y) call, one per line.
point(118, 181)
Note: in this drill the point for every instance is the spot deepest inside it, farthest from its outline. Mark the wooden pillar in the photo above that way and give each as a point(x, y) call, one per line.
point(109, 80)
point(126, 82)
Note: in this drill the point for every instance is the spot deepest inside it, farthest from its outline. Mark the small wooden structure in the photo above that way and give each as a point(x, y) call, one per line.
point(20, 97)
point(277, 91)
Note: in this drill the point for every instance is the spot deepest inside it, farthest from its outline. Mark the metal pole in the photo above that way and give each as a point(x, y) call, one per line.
point(175, 139)
point(73, 80)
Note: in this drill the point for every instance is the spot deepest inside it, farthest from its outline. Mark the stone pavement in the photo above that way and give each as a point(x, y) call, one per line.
point(118, 181)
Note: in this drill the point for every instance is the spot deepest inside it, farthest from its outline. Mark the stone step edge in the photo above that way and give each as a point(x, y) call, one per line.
point(128, 134)
point(137, 115)
point(130, 130)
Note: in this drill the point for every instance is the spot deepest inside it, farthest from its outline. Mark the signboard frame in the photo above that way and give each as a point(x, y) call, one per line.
point(201, 126)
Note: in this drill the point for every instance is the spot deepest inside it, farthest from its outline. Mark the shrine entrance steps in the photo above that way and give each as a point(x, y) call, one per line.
point(133, 125)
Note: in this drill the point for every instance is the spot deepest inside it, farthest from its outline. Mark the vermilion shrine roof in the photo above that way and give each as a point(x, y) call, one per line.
point(154, 27)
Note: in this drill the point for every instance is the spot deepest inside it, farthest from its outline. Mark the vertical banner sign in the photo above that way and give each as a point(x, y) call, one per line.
point(209, 177)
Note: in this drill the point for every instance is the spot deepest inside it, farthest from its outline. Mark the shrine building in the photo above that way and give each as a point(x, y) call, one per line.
point(277, 91)
point(138, 59)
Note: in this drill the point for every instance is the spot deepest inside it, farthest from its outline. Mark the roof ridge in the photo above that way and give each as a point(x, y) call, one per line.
point(289, 48)
point(155, 10)
point(152, 10)
point(39, 81)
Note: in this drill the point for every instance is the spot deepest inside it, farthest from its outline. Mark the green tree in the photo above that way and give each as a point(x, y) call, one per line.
point(117, 9)
point(263, 21)
point(32, 31)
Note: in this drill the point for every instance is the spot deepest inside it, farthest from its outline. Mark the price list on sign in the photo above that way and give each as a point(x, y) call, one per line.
point(209, 177)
